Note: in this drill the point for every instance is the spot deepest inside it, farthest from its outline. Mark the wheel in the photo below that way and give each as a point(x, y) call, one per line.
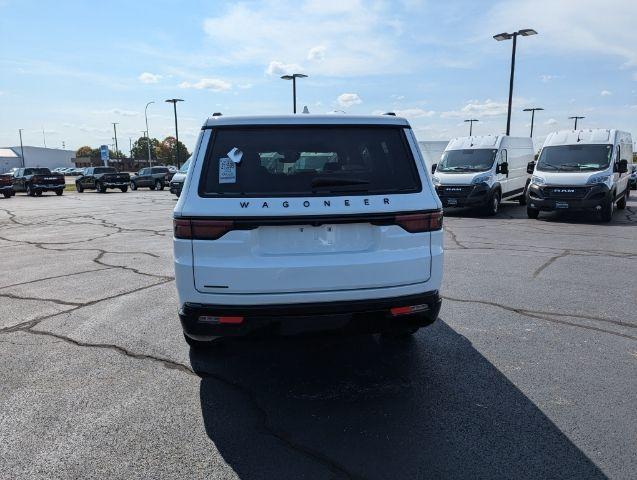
point(7, 194)
point(133, 186)
point(621, 204)
point(493, 206)
point(100, 187)
point(522, 199)
point(124, 189)
point(152, 187)
point(38, 193)
point(532, 212)
point(607, 211)
point(59, 192)
point(159, 185)
point(30, 191)
point(79, 187)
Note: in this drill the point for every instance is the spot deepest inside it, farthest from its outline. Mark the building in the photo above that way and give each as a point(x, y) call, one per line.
point(432, 151)
point(10, 157)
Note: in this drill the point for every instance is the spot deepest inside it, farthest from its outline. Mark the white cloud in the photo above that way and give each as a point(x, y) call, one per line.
point(244, 86)
point(605, 93)
point(398, 97)
point(279, 68)
point(214, 84)
point(148, 77)
point(548, 78)
point(348, 99)
point(488, 108)
point(317, 53)
point(414, 113)
point(551, 121)
point(116, 111)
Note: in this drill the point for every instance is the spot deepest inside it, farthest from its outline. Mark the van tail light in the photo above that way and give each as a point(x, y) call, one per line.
point(221, 320)
point(201, 229)
point(420, 222)
point(398, 311)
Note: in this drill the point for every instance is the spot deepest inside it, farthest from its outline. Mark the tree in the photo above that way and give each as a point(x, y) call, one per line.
point(167, 151)
point(85, 151)
point(140, 148)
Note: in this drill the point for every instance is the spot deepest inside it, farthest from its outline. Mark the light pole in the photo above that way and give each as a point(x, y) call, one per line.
point(470, 122)
point(147, 135)
point(174, 102)
point(293, 77)
point(21, 147)
point(508, 36)
point(532, 110)
point(576, 118)
point(115, 131)
point(43, 137)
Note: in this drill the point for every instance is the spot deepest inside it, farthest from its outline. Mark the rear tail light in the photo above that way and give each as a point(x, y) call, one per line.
point(420, 222)
point(221, 320)
point(398, 311)
point(201, 229)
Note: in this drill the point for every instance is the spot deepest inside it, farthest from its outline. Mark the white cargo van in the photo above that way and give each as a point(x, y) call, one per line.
point(481, 171)
point(581, 170)
point(307, 222)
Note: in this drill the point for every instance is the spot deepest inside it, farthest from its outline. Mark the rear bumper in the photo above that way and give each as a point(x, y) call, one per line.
point(593, 198)
point(116, 184)
point(371, 316)
point(6, 188)
point(46, 187)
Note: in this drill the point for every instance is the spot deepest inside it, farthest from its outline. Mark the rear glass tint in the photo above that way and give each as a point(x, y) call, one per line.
point(37, 171)
point(104, 170)
point(307, 161)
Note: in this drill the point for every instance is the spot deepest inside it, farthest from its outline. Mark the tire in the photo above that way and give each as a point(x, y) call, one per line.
point(38, 193)
point(79, 187)
point(133, 186)
point(100, 187)
point(522, 199)
point(7, 194)
point(124, 189)
point(621, 204)
point(30, 191)
point(493, 206)
point(532, 213)
point(607, 211)
point(59, 192)
point(159, 185)
point(152, 187)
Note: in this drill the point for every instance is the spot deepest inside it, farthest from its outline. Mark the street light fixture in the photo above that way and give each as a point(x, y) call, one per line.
point(576, 119)
point(293, 77)
point(174, 102)
point(470, 122)
point(532, 110)
point(147, 135)
point(508, 36)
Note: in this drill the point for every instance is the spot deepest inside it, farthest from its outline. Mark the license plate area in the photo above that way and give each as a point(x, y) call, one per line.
point(561, 204)
point(308, 239)
point(452, 202)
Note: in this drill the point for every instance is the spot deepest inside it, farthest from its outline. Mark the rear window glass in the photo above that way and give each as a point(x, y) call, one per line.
point(160, 170)
point(307, 161)
point(104, 170)
point(37, 171)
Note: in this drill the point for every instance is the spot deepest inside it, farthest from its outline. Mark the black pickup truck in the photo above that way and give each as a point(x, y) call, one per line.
point(101, 178)
point(155, 178)
point(34, 181)
point(6, 186)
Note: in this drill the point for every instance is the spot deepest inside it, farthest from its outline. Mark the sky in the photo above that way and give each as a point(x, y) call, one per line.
point(72, 67)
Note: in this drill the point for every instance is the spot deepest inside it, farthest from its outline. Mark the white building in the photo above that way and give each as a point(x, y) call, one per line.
point(432, 150)
point(10, 157)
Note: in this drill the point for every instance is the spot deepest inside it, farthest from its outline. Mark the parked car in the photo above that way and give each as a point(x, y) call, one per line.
point(177, 182)
point(101, 179)
point(307, 222)
point(581, 170)
point(151, 177)
point(35, 181)
point(172, 169)
point(632, 182)
point(6, 186)
point(482, 171)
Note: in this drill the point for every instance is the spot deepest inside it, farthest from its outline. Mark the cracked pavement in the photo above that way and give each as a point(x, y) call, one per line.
point(528, 373)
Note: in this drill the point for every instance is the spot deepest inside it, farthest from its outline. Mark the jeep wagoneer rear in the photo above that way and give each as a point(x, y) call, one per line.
point(307, 222)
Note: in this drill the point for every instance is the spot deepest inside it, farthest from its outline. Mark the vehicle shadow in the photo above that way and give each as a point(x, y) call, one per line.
point(362, 407)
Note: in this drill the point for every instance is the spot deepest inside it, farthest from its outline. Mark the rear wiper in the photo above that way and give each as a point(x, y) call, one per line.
point(335, 182)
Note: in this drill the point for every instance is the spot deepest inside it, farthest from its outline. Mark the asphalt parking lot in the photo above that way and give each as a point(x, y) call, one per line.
point(530, 372)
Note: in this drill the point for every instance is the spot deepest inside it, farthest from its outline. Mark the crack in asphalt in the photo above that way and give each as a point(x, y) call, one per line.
point(51, 300)
point(547, 316)
point(549, 262)
point(55, 277)
point(454, 238)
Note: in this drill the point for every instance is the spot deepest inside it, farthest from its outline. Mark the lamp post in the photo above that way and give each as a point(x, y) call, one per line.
point(470, 122)
point(115, 138)
point(174, 102)
point(293, 77)
point(21, 147)
point(147, 135)
point(508, 36)
point(532, 110)
point(576, 118)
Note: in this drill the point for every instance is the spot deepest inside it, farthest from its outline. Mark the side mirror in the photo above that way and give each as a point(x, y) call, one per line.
point(623, 166)
point(503, 168)
point(530, 167)
point(433, 168)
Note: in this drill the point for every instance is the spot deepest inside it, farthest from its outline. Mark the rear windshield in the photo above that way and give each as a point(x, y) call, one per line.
point(104, 170)
point(37, 171)
point(306, 161)
point(159, 170)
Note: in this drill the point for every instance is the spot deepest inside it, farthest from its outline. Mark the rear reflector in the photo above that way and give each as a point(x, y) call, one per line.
point(398, 311)
point(420, 222)
point(201, 229)
point(218, 320)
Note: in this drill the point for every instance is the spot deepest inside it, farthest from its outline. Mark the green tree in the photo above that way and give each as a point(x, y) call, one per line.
point(167, 151)
point(140, 149)
point(85, 151)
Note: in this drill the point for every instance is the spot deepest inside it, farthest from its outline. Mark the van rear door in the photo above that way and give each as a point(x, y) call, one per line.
point(292, 209)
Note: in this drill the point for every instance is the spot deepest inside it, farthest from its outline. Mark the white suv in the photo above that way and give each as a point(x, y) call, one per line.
point(307, 222)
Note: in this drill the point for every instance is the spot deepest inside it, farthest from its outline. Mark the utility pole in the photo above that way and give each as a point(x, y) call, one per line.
point(115, 131)
point(174, 102)
point(43, 137)
point(150, 162)
point(21, 147)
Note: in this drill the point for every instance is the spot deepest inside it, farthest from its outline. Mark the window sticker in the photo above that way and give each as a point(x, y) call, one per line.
point(227, 171)
point(235, 155)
